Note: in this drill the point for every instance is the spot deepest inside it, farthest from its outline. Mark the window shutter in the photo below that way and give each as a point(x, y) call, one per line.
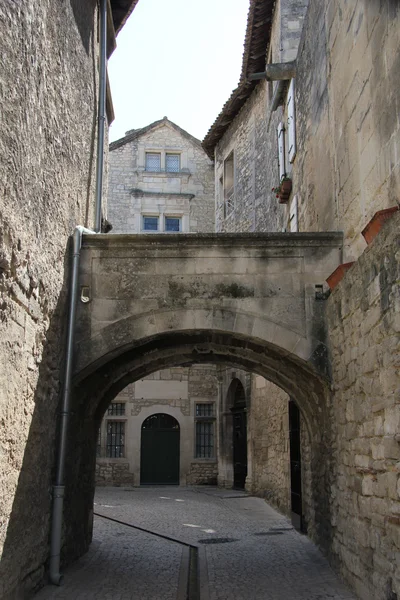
point(293, 215)
point(281, 150)
point(291, 122)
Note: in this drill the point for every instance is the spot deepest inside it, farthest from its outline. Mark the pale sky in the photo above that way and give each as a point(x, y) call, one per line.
point(177, 58)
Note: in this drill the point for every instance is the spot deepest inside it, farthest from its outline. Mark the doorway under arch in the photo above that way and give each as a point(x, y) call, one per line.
point(159, 450)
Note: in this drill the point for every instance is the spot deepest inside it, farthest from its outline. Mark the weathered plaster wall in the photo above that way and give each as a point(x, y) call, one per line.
point(126, 173)
point(174, 391)
point(47, 102)
point(364, 322)
point(348, 162)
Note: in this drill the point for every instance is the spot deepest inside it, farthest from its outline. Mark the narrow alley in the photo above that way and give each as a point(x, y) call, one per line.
point(246, 550)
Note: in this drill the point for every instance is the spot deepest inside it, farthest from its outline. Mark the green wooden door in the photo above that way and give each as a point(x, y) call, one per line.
point(159, 459)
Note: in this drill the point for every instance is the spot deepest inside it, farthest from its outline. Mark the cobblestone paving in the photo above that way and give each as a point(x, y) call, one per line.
point(262, 557)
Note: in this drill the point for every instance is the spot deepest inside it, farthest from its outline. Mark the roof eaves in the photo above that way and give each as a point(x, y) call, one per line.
point(258, 33)
point(121, 11)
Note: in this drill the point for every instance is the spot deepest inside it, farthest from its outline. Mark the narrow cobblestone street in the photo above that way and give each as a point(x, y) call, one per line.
point(247, 550)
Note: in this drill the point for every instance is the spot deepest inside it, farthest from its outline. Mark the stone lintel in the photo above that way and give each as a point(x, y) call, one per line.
point(138, 193)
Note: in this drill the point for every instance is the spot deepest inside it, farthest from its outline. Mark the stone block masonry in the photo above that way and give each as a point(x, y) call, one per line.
point(135, 192)
point(364, 323)
point(47, 102)
point(347, 117)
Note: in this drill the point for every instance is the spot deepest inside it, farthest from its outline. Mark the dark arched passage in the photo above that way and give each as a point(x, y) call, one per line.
point(99, 383)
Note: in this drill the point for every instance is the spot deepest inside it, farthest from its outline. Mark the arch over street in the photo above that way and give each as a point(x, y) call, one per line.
point(247, 301)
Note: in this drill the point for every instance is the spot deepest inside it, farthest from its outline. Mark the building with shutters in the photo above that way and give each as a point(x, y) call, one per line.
point(162, 429)
point(309, 141)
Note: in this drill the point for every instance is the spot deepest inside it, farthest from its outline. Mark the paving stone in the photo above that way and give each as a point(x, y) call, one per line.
point(126, 564)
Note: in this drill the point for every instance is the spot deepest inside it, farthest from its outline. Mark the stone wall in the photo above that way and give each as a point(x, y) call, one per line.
point(364, 323)
point(205, 473)
point(348, 134)
point(256, 169)
point(48, 107)
point(253, 138)
point(269, 433)
point(347, 116)
point(114, 473)
point(134, 192)
point(270, 450)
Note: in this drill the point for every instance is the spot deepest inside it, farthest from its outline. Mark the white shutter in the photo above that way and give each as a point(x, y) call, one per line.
point(293, 212)
point(291, 123)
point(281, 150)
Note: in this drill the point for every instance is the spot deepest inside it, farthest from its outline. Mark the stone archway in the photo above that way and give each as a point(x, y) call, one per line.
point(97, 386)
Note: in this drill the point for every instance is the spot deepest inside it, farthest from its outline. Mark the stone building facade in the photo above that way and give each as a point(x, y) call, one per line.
point(48, 96)
point(161, 181)
point(190, 396)
point(333, 131)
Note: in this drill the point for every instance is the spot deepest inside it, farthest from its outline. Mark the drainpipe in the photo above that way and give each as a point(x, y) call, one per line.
point(101, 117)
point(58, 489)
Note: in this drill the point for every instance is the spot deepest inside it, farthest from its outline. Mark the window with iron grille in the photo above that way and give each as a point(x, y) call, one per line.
point(205, 409)
point(205, 430)
point(116, 409)
point(172, 163)
point(153, 161)
point(115, 446)
point(150, 223)
point(98, 446)
point(173, 224)
point(229, 184)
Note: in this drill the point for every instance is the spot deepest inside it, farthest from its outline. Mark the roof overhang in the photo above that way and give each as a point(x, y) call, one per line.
point(258, 35)
point(121, 10)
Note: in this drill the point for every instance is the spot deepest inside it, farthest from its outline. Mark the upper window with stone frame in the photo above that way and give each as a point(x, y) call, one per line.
point(229, 184)
point(168, 162)
point(172, 162)
point(153, 161)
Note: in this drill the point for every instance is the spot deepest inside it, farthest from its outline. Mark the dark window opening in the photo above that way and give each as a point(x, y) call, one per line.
point(150, 223)
point(205, 425)
point(172, 224)
point(115, 447)
point(229, 184)
point(116, 409)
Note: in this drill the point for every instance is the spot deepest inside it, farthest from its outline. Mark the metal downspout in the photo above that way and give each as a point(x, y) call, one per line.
point(101, 118)
point(59, 488)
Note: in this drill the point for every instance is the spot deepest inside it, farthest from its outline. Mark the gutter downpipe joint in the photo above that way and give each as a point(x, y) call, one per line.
point(58, 489)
